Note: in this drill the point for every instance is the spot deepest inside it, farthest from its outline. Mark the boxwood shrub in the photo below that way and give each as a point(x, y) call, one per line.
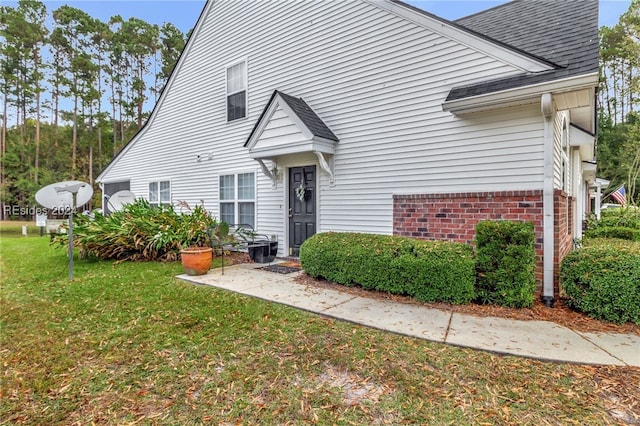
point(623, 223)
point(505, 263)
point(604, 281)
point(620, 232)
point(430, 271)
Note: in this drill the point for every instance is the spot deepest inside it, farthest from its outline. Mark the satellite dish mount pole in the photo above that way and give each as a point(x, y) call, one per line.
point(70, 250)
point(73, 189)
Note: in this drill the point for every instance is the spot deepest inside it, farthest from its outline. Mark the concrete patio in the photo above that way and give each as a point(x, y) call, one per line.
point(533, 339)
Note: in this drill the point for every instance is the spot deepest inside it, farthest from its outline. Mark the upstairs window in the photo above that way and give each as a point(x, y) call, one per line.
point(159, 193)
point(237, 91)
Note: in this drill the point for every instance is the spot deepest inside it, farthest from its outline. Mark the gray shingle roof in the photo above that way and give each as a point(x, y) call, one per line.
point(564, 32)
point(316, 126)
point(309, 117)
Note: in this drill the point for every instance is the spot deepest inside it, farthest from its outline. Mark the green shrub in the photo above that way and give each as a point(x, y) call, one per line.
point(623, 233)
point(604, 282)
point(624, 217)
point(623, 245)
point(427, 270)
point(505, 263)
point(140, 232)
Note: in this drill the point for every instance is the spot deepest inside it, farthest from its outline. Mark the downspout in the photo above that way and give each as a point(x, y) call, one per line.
point(546, 105)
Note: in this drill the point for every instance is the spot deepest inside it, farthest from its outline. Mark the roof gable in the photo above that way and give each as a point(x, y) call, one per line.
point(525, 61)
point(305, 130)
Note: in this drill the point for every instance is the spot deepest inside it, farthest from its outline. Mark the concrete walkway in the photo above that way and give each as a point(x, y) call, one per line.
point(534, 339)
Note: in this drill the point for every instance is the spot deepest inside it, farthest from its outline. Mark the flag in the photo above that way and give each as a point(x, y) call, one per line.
point(620, 195)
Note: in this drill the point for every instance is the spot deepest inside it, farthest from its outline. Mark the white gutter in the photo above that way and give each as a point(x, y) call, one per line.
point(546, 106)
point(519, 95)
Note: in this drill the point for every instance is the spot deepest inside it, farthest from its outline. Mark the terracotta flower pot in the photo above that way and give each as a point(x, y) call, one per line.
point(196, 260)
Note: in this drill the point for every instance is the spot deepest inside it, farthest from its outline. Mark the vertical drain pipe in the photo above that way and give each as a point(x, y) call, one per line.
point(546, 106)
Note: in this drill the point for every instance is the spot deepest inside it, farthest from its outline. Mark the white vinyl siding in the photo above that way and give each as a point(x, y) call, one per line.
point(377, 80)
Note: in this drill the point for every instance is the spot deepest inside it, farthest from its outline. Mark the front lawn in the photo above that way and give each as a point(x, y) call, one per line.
point(128, 343)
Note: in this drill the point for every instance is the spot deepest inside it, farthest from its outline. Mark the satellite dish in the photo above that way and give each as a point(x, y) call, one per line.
point(59, 196)
point(118, 200)
point(65, 197)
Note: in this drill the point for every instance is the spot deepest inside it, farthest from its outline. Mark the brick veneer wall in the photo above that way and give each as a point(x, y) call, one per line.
point(563, 230)
point(453, 217)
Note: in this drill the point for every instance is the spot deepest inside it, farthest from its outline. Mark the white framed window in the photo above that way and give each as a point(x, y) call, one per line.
point(237, 91)
point(238, 198)
point(159, 193)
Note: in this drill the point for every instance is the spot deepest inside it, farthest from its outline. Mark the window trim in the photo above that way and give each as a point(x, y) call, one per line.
point(564, 157)
point(159, 202)
point(236, 201)
point(246, 88)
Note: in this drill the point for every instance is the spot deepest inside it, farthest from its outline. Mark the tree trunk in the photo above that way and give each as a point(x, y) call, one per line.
point(75, 133)
point(36, 162)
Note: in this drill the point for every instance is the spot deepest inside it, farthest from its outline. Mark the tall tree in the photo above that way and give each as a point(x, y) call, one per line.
point(619, 99)
point(141, 45)
point(620, 65)
point(172, 43)
point(74, 25)
point(100, 39)
point(36, 14)
point(85, 61)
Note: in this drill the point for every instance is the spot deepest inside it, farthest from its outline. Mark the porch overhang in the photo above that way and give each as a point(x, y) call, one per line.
point(589, 169)
point(289, 126)
point(583, 140)
point(299, 147)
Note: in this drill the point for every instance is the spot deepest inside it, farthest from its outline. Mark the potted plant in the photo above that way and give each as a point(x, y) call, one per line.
point(196, 260)
point(196, 253)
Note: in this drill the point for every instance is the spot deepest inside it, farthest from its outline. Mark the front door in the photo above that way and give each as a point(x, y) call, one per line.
point(302, 206)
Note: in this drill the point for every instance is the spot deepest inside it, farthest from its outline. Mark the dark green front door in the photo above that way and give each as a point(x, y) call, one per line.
point(302, 206)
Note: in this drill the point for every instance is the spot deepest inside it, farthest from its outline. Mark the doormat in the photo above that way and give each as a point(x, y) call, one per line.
point(281, 269)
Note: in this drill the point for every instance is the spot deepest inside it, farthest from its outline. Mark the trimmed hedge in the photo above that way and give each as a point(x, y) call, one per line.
point(430, 271)
point(604, 282)
point(505, 263)
point(620, 232)
point(621, 223)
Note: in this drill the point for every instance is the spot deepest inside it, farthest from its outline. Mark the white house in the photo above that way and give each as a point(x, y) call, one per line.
point(375, 116)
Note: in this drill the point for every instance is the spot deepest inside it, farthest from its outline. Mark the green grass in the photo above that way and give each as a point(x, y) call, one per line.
point(14, 228)
point(129, 343)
